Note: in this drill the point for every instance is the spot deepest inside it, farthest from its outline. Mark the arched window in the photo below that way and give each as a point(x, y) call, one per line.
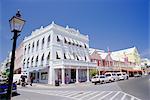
point(28, 62)
point(24, 63)
point(42, 43)
point(58, 39)
point(36, 61)
point(32, 46)
point(48, 40)
point(42, 60)
point(28, 48)
point(25, 49)
point(37, 45)
point(48, 58)
point(32, 61)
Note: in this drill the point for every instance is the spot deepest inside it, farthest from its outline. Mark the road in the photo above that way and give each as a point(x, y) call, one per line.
point(132, 89)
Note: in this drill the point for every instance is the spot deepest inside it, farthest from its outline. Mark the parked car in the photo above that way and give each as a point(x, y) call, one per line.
point(125, 75)
point(95, 79)
point(112, 76)
point(103, 79)
point(4, 87)
point(121, 76)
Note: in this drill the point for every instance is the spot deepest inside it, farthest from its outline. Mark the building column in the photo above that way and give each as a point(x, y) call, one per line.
point(88, 75)
point(51, 76)
point(63, 75)
point(77, 75)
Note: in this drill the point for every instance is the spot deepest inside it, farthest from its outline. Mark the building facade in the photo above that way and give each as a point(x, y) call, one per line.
point(18, 59)
point(57, 53)
point(124, 60)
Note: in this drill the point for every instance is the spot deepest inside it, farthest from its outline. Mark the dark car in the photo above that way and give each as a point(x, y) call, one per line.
point(4, 87)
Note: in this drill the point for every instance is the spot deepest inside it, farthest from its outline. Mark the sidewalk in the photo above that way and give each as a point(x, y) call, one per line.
point(42, 85)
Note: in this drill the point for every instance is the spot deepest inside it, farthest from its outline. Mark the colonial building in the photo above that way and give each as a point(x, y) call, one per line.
point(123, 60)
point(57, 53)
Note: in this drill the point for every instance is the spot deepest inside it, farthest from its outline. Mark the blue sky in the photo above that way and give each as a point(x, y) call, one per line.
point(116, 24)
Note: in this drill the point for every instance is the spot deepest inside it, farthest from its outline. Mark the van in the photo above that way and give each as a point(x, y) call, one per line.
point(17, 78)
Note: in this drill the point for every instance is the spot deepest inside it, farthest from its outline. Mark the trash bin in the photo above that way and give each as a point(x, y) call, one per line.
point(56, 83)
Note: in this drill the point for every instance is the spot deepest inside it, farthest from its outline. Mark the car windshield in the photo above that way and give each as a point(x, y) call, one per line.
point(119, 74)
point(108, 75)
point(102, 76)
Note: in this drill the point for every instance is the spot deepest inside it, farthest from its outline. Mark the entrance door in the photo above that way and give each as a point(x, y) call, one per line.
point(73, 75)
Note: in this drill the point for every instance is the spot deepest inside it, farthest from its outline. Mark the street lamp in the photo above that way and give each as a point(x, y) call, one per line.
point(16, 25)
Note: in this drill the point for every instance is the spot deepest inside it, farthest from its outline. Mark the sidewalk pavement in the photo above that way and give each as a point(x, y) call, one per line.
point(43, 85)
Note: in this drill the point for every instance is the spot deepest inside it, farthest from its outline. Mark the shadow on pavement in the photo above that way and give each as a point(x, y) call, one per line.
point(4, 97)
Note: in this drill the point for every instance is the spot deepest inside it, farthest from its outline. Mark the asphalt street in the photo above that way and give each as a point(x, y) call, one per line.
point(132, 89)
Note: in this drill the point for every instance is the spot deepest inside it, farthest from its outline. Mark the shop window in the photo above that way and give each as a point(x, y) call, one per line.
point(44, 76)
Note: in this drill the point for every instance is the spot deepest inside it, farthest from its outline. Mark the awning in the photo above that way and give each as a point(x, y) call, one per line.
point(67, 55)
point(72, 57)
point(71, 40)
point(67, 39)
point(58, 53)
point(60, 37)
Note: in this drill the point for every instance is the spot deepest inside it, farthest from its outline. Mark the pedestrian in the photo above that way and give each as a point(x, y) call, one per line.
point(31, 80)
point(23, 81)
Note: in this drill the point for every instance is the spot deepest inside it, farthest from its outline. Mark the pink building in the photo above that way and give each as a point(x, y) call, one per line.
point(18, 59)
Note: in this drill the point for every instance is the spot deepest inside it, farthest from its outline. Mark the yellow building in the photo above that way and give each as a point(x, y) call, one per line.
point(131, 54)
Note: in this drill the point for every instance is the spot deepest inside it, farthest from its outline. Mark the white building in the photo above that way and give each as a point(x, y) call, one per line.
point(57, 53)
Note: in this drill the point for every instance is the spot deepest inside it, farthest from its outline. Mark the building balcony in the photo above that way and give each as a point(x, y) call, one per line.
point(73, 63)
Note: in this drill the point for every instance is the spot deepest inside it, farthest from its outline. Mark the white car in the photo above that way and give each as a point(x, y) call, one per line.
point(110, 76)
point(95, 79)
point(123, 75)
point(103, 79)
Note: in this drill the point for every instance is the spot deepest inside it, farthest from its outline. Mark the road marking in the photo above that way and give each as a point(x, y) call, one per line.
point(96, 95)
point(114, 95)
point(83, 93)
point(123, 97)
point(131, 96)
point(92, 93)
point(105, 95)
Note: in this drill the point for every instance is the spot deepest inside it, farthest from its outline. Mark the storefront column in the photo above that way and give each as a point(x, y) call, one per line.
point(63, 75)
point(77, 75)
point(88, 75)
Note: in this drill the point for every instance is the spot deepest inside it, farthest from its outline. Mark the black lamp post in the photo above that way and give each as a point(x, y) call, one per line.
point(16, 25)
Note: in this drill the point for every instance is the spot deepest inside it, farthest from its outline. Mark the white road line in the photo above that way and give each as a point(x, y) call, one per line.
point(114, 95)
point(96, 95)
point(123, 97)
point(70, 92)
point(105, 95)
point(92, 93)
point(83, 93)
point(74, 93)
point(131, 96)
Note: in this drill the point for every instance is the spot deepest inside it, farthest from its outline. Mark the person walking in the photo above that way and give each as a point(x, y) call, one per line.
point(23, 81)
point(31, 80)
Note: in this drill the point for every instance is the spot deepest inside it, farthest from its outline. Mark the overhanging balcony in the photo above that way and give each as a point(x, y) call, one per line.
point(65, 62)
